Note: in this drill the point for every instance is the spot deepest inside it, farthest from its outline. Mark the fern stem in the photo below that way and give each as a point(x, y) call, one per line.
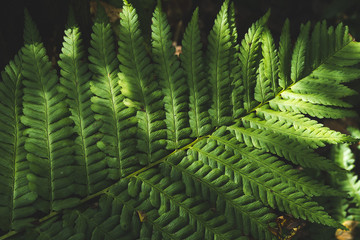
point(116, 121)
point(8, 235)
point(166, 157)
point(47, 131)
point(106, 190)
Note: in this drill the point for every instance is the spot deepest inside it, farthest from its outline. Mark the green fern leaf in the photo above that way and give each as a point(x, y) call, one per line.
point(282, 146)
point(321, 51)
point(263, 85)
point(271, 191)
point(314, 110)
point(235, 71)
point(347, 182)
point(141, 92)
point(295, 126)
point(273, 165)
point(315, 98)
point(315, 53)
point(330, 89)
point(172, 82)
point(31, 33)
point(48, 142)
point(249, 58)
point(298, 60)
point(117, 128)
point(170, 196)
point(75, 84)
point(16, 202)
point(219, 58)
point(337, 72)
point(117, 217)
point(285, 56)
point(224, 194)
point(271, 61)
point(192, 62)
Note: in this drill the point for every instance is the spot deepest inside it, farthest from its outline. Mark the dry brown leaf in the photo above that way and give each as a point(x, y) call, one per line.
point(142, 215)
point(111, 11)
point(346, 235)
point(287, 227)
point(178, 49)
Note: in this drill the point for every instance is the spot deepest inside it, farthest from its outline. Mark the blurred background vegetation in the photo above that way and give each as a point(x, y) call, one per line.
point(51, 15)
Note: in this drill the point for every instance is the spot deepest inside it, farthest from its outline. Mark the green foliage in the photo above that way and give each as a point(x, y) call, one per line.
point(17, 198)
point(193, 63)
point(172, 81)
point(348, 181)
point(141, 91)
point(48, 134)
point(134, 144)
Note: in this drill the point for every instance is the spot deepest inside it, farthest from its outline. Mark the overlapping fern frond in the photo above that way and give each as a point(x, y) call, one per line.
point(142, 92)
point(16, 205)
point(211, 145)
point(75, 83)
point(48, 134)
point(108, 105)
point(347, 181)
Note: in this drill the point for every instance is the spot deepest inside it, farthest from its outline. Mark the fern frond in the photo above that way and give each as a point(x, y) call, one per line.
point(102, 222)
point(321, 44)
point(218, 67)
point(140, 89)
point(249, 59)
point(347, 182)
point(234, 64)
point(285, 56)
point(223, 193)
point(31, 33)
point(336, 73)
point(117, 129)
point(166, 194)
point(271, 61)
point(172, 82)
point(192, 62)
point(298, 60)
point(329, 88)
point(327, 69)
point(75, 83)
point(48, 142)
point(316, 98)
point(16, 207)
point(271, 191)
point(282, 146)
point(297, 127)
point(314, 110)
point(263, 85)
point(273, 165)
point(120, 216)
point(315, 53)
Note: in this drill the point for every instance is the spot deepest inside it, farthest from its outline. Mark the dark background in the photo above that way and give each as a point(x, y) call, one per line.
point(50, 17)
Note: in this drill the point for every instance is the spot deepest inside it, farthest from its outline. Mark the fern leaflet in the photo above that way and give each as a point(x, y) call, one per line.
point(48, 143)
point(172, 82)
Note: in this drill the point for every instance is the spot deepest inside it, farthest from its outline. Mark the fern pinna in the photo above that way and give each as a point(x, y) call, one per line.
point(130, 142)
